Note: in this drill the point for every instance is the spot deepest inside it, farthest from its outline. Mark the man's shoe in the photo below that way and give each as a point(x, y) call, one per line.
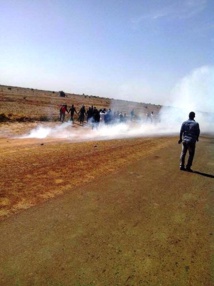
point(189, 169)
point(182, 169)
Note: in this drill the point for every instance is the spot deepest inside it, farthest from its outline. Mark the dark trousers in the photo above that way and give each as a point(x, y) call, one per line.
point(190, 147)
point(62, 116)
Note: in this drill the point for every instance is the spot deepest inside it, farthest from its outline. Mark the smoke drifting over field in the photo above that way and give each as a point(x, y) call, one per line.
point(195, 93)
point(103, 132)
point(192, 93)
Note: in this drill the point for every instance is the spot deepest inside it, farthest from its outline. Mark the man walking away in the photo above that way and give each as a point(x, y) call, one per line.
point(189, 134)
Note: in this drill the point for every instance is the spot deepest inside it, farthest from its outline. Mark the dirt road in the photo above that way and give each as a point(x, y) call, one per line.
point(141, 221)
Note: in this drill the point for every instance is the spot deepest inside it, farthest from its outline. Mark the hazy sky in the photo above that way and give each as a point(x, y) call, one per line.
point(126, 49)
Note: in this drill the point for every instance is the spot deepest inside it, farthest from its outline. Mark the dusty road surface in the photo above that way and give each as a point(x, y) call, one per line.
point(117, 212)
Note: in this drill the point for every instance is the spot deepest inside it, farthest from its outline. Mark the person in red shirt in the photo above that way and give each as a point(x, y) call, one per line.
point(62, 111)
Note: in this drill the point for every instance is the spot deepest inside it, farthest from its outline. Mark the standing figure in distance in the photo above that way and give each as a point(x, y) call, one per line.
point(72, 110)
point(189, 134)
point(96, 118)
point(62, 111)
point(132, 114)
point(82, 114)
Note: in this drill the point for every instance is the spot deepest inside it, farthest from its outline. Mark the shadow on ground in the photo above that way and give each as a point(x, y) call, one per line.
point(204, 174)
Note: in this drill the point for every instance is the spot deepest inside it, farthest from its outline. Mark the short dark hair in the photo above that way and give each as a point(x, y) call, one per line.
point(192, 115)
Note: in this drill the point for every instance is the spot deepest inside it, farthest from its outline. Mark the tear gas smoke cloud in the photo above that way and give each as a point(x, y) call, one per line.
point(192, 93)
point(103, 132)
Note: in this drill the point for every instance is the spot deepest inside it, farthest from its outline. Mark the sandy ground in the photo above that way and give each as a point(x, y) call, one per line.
point(117, 212)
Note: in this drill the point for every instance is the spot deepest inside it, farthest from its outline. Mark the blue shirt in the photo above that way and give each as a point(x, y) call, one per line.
point(190, 131)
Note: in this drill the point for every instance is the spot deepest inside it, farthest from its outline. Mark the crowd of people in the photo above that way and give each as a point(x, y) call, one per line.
point(94, 116)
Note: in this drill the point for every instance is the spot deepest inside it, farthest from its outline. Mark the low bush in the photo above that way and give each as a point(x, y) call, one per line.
point(44, 118)
point(4, 118)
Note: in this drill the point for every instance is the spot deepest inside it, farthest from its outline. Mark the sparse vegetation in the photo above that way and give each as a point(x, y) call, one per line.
point(3, 118)
point(27, 104)
point(62, 94)
point(44, 118)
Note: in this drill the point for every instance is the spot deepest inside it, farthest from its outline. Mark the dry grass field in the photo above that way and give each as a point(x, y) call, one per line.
point(25, 104)
point(23, 109)
point(107, 212)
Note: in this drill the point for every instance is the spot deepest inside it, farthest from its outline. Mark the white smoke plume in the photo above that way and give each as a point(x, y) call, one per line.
point(102, 132)
point(195, 93)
